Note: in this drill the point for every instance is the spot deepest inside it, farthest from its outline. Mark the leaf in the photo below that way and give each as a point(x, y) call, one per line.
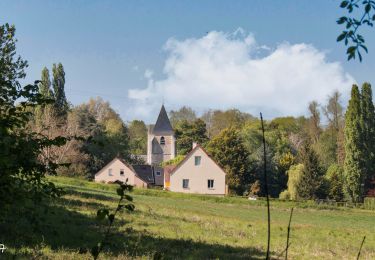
point(101, 213)
point(130, 207)
point(341, 36)
point(129, 198)
point(111, 218)
point(120, 192)
point(367, 8)
point(344, 4)
point(342, 20)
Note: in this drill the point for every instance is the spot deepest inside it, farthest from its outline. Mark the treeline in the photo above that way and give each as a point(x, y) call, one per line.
point(307, 159)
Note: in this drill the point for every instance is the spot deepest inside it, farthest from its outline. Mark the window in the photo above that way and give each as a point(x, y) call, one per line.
point(122, 172)
point(162, 140)
point(158, 173)
point(210, 184)
point(198, 160)
point(110, 172)
point(185, 183)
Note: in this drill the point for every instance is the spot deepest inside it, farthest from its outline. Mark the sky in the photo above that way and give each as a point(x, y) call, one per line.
point(258, 56)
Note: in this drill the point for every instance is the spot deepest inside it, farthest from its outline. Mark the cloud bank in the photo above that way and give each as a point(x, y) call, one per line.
point(231, 70)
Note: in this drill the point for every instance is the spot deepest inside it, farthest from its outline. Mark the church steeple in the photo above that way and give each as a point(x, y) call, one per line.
point(161, 145)
point(163, 125)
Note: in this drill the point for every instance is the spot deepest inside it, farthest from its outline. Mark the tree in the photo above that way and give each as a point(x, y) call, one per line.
point(368, 128)
point(45, 84)
point(61, 103)
point(294, 177)
point(310, 185)
point(22, 173)
point(335, 179)
point(183, 114)
point(186, 133)
point(314, 128)
point(138, 137)
point(228, 151)
point(353, 164)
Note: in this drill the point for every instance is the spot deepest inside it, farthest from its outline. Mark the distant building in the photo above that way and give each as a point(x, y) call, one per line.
point(197, 173)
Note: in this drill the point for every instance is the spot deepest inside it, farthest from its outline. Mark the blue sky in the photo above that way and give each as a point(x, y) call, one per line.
point(107, 46)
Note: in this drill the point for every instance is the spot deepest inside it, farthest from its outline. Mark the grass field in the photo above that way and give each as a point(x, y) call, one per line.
point(179, 226)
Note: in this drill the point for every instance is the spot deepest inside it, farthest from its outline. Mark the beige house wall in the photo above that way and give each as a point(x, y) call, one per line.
point(116, 166)
point(198, 176)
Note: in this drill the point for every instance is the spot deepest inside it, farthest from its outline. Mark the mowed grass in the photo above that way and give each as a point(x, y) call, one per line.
point(180, 226)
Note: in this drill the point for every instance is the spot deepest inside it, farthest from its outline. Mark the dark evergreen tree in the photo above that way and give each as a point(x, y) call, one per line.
point(354, 156)
point(368, 127)
point(61, 103)
point(311, 183)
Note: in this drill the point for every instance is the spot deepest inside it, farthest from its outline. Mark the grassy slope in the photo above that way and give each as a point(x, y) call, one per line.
point(192, 226)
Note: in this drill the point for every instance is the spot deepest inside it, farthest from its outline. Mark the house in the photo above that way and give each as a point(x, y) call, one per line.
point(119, 170)
point(197, 173)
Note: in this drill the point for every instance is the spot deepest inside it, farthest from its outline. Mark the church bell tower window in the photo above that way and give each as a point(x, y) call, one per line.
point(162, 140)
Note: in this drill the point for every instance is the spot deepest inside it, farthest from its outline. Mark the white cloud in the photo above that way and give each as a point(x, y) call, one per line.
point(230, 70)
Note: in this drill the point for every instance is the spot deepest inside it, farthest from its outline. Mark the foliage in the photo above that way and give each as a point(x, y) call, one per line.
point(368, 128)
point(183, 114)
point(137, 137)
point(335, 180)
point(353, 165)
point(188, 133)
point(294, 177)
point(174, 161)
point(310, 185)
point(229, 152)
point(105, 214)
point(352, 24)
point(61, 103)
point(22, 171)
point(369, 203)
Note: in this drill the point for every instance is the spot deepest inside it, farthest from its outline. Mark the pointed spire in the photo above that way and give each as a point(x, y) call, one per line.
point(163, 125)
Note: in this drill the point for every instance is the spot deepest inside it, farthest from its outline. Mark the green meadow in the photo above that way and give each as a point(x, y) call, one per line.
point(168, 225)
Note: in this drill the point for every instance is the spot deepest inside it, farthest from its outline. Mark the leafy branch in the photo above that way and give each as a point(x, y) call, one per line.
point(104, 213)
point(350, 36)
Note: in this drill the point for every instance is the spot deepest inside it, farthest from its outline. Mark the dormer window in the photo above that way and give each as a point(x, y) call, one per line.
point(162, 140)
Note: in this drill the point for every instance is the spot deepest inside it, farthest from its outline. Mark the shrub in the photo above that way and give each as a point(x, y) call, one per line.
point(369, 203)
point(284, 195)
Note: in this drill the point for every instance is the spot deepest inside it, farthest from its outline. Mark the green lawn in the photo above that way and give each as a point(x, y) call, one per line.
point(179, 226)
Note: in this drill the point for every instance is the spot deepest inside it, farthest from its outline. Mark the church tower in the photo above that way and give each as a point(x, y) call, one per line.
point(161, 143)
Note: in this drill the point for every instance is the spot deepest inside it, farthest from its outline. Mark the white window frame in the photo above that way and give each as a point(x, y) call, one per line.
point(110, 172)
point(183, 183)
point(122, 172)
point(210, 184)
point(158, 173)
point(197, 160)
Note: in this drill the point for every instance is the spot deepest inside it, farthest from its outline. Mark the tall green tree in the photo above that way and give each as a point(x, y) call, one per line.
point(45, 84)
point(183, 114)
point(61, 103)
point(354, 147)
point(368, 128)
point(228, 150)
point(311, 182)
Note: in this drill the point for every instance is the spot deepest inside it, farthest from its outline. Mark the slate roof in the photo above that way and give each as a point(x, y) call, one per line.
point(144, 172)
point(163, 125)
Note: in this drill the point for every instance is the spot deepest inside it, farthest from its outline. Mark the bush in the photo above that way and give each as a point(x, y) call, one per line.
point(285, 195)
point(369, 203)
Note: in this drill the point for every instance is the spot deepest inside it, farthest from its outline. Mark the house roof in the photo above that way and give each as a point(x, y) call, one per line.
point(144, 172)
point(163, 125)
point(190, 154)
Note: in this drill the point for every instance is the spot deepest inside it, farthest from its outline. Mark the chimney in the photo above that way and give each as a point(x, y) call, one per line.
point(194, 144)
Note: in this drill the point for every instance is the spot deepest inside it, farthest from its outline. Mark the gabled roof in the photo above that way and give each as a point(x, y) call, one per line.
point(190, 154)
point(163, 125)
point(144, 172)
